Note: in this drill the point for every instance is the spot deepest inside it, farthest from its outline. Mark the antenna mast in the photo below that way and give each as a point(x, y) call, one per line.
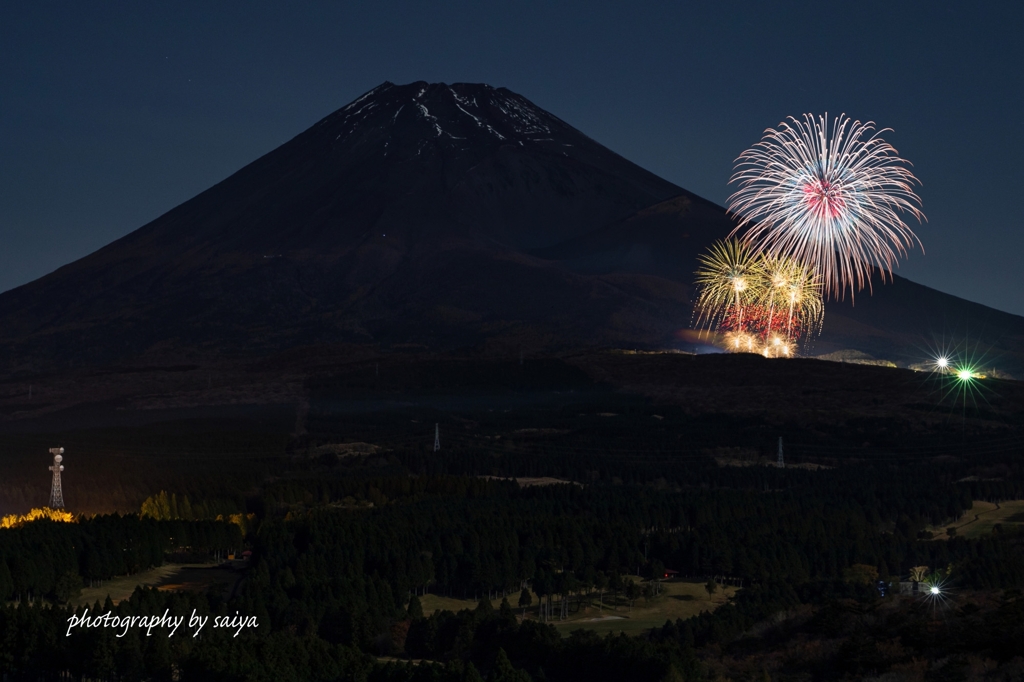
point(782, 463)
point(437, 437)
point(56, 492)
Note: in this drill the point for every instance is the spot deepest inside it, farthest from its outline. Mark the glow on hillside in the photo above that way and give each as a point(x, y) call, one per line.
point(15, 520)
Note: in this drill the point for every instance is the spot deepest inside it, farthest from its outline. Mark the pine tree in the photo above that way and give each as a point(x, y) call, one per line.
point(484, 609)
point(525, 599)
point(504, 672)
point(415, 609)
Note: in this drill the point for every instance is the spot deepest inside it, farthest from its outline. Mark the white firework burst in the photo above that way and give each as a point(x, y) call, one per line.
point(830, 197)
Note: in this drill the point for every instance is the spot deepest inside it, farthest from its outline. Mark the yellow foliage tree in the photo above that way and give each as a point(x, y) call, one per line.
point(919, 574)
point(15, 520)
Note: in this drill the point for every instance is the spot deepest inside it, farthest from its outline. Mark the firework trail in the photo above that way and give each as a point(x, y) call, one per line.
point(830, 198)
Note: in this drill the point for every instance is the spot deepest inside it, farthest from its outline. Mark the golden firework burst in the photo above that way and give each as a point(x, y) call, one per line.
point(730, 278)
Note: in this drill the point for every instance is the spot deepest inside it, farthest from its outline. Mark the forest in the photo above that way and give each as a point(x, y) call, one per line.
point(360, 521)
point(337, 584)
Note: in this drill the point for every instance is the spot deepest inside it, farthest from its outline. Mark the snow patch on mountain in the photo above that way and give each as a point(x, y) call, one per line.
point(525, 119)
point(459, 101)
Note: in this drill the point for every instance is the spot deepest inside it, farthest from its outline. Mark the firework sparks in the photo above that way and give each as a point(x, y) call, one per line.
point(730, 278)
point(777, 347)
point(763, 303)
point(793, 291)
point(742, 342)
point(831, 198)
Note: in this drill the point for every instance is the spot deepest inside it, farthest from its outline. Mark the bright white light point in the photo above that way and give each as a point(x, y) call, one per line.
point(942, 362)
point(935, 589)
point(964, 374)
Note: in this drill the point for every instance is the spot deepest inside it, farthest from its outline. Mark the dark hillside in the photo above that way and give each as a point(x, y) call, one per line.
point(442, 216)
point(397, 218)
point(895, 319)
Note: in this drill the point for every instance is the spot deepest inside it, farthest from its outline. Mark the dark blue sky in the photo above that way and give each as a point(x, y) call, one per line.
point(113, 113)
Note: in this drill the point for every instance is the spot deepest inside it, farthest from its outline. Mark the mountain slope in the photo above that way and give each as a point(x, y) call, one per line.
point(435, 215)
point(897, 319)
point(366, 227)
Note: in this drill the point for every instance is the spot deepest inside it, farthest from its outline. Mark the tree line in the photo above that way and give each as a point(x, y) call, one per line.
point(47, 559)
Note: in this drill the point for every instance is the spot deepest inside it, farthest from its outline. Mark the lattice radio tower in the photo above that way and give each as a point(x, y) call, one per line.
point(782, 463)
point(56, 493)
point(437, 437)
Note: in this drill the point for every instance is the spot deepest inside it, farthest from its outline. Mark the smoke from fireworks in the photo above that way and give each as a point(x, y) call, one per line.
point(829, 198)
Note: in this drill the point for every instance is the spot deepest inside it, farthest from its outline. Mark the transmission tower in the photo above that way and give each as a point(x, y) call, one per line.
point(437, 438)
point(56, 493)
point(782, 463)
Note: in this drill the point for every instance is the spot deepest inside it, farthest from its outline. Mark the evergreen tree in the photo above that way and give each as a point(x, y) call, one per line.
point(633, 592)
point(484, 609)
point(504, 672)
point(415, 609)
point(525, 599)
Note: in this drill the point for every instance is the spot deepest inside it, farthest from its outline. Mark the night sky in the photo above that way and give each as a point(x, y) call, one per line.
point(113, 113)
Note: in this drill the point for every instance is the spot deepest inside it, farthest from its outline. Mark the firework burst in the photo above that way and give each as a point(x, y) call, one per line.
point(762, 303)
point(731, 278)
point(793, 292)
point(830, 197)
point(742, 342)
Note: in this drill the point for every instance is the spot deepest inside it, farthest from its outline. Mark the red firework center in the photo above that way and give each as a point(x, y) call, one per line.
point(763, 322)
point(824, 198)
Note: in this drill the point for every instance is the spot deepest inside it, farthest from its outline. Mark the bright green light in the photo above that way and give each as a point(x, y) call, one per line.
point(964, 374)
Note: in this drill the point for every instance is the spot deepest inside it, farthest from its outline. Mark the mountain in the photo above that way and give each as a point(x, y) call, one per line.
point(402, 217)
point(424, 215)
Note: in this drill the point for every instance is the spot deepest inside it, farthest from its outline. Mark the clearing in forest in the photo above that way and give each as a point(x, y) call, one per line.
point(678, 599)
point(188, 577)
point(982, 518)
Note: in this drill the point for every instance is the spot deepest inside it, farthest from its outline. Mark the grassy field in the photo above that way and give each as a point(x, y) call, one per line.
point(192, 577)
point(432, 602)
point(678, 599)
point(982, 517)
